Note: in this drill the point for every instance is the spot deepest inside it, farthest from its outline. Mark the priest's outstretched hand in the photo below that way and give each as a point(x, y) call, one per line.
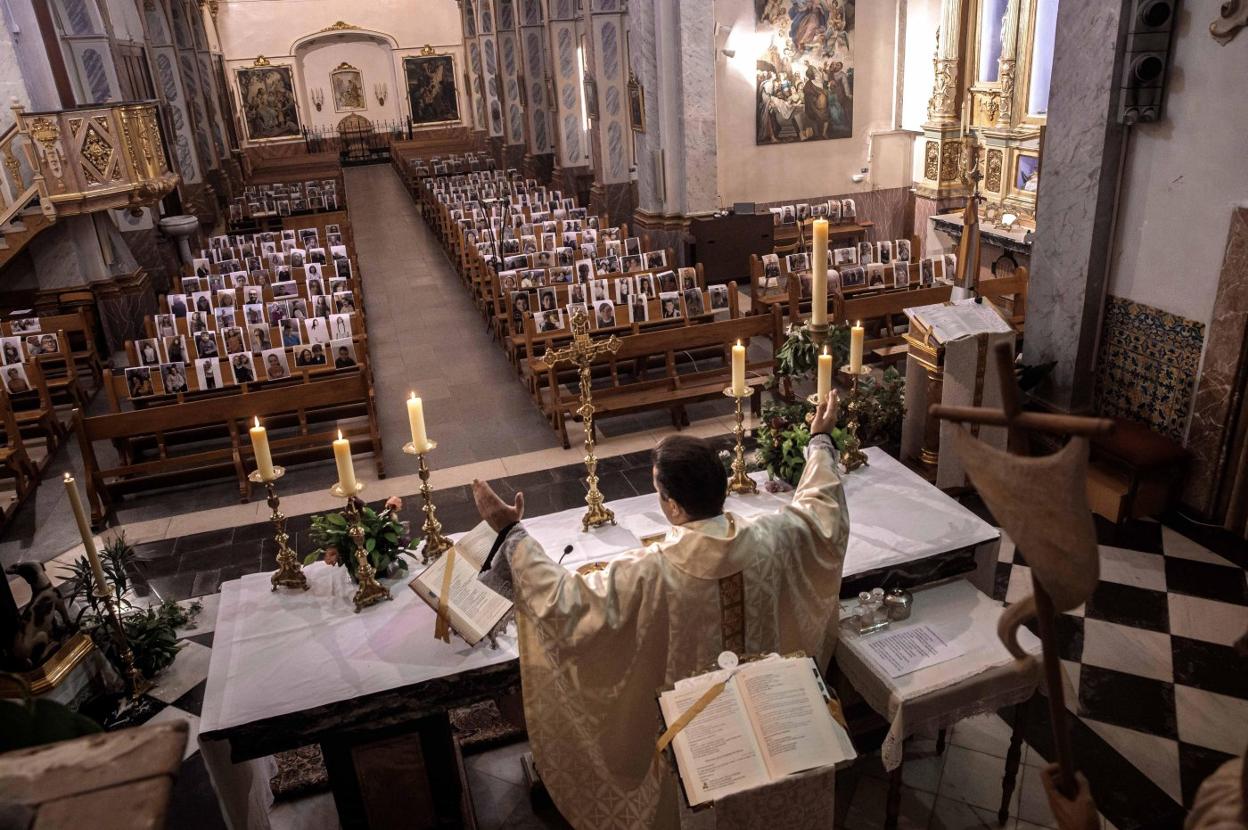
point(496, 512)
point(825, 415)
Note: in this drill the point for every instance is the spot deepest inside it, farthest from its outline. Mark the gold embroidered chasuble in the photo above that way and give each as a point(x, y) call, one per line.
point(595, 649)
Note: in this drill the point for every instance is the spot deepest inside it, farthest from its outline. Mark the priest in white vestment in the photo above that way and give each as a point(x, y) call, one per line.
point(595, 649)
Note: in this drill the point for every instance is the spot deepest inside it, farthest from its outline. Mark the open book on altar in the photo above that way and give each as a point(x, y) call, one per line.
point(946, 322)
point(770, 721)
point(472, 607)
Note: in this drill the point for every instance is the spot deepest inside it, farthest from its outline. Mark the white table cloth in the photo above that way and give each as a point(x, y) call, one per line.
point(275, 653)
point(984, 678)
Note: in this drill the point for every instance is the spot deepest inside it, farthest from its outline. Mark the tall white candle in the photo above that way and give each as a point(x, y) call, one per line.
point(824, 380)
point(819, 279)
point(84, 530)
point(855, 348)
point(260, 446)
point(346, 470)
point(738, 370)
point(416, 420)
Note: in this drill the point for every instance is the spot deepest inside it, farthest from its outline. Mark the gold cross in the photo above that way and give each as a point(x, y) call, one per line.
point(581, 353)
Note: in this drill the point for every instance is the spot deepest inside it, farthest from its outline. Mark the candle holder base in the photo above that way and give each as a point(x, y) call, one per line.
point(369, 590)
point(136, 683)
point(819, 333)
point(848, 372)
point(289, 573)
point(740, 482)
point(597, 515)
point(435, 543)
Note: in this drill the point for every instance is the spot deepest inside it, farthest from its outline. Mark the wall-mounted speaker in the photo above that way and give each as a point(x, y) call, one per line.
point(1150, 34)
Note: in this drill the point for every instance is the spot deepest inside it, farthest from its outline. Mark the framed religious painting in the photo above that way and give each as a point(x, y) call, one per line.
point(636, 104)
point(804, 79)
point(431, 92)
point(348, 85)
point(591, 97)
point(267, 93)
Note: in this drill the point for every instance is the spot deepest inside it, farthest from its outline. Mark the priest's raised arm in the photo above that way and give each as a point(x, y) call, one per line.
point(595, 648)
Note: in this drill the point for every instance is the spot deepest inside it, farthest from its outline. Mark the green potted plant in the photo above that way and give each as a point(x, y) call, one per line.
point(152, 632)
point(385, 539)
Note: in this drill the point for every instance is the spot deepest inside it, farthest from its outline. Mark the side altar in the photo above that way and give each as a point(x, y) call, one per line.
point(295, 668)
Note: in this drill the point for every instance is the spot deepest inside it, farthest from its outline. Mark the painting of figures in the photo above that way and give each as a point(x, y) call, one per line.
point(431, 89)
point(268, 95)
point(805, 77)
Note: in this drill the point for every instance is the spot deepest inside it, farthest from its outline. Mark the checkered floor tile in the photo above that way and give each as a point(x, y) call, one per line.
point(1151, 670)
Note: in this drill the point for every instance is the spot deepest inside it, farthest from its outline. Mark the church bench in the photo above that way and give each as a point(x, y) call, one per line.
point(887, 341)
point(1009, 294)
point(34, 411)
point(79, 332)
point(16, 462)
point(152, 453)
point(672, 389)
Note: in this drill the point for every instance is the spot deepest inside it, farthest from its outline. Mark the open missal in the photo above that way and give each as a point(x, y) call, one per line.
point(473, 608)
point(771, 721)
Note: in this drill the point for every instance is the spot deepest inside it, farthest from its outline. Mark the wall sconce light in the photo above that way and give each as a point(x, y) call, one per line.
point(318, 98)
point(380, 90)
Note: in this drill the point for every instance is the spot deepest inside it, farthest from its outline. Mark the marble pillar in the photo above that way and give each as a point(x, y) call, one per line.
point(673, 56)
point(535, 61)
point(509, 83)
point(1071, 252)
point(572, 140)
point(1211, 437)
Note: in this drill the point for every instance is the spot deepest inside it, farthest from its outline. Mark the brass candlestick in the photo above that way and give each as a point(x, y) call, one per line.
point(819, 333)
point(435, 543)
point(581, 353)
point(289, 573)
point(853, 457)
point(370, 591)
point(740, 482)
point(135, 681)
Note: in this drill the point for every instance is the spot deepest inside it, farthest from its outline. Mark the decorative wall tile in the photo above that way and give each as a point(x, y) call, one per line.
point(1147, 367)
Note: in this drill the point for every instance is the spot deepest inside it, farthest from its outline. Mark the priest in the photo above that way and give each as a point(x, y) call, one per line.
point(595, 649)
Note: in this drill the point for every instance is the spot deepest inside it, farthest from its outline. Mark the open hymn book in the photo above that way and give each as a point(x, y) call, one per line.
point(473, 608)
point(771, 721)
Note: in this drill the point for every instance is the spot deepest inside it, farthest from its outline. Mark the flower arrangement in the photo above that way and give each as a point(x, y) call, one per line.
point(385, 538)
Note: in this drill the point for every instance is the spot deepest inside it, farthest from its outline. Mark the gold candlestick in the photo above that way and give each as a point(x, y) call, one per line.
point(370, 591)
point(289, 573)
point(819, 333)
point(740, 482)
point(853, 457)
point(435, 543)
point(581, 354)
point(137, 683)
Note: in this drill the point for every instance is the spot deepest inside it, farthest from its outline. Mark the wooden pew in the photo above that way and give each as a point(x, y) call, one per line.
point(1009, 294)
point(671, 389)
point(887, 308)
point(312, 411)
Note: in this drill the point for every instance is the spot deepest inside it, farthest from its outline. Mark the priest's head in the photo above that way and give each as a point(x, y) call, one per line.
point(689, 478)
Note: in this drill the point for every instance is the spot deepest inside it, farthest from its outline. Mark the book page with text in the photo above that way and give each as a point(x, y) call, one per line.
point(716, 752)
point(790, 717)
point(474, 608)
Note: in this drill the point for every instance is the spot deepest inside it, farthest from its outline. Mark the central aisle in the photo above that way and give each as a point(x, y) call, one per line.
point(425, 335)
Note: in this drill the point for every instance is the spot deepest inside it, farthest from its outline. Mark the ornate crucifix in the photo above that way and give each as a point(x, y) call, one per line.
point(581, 353)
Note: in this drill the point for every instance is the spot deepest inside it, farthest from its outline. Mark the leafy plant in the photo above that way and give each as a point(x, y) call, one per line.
point(881, 408)
point(798, 356)
point(151, 632)
point(383, 539)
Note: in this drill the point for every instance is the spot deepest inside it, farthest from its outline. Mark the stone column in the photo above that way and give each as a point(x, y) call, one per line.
point(487, 40)
point(509, 83)
point(540, 144)
point(1006, 65)
point(612, 192)
point(673, 54)
point(572, 155)
point(472, 49)
point(1082, 148)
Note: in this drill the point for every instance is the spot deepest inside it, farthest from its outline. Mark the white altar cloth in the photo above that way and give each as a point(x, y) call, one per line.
point(275, 653)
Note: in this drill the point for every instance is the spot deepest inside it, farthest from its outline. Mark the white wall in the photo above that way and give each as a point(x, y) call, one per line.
point(922, 20)
point(250, 28)
point(376, 65)
point(1183, 176)
point(767, 173)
